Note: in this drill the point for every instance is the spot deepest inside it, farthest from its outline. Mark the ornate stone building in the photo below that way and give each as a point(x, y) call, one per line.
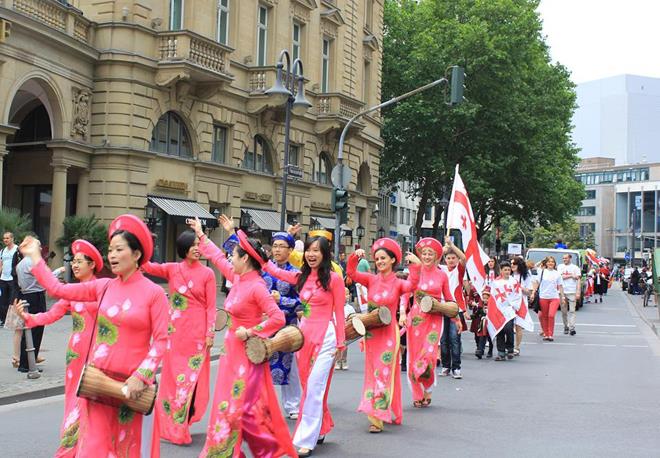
point(158, 108)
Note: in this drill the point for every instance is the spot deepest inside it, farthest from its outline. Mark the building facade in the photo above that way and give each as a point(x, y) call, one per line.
point(617, 117)
point(159, 109)
point(622, 207)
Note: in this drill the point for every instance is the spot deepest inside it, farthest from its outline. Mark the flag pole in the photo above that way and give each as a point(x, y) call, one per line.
point(450, 206)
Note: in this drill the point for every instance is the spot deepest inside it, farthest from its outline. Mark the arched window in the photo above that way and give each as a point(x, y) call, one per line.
point(321, 169)
point(259, 158)
point(170, 136)
point(363, 179)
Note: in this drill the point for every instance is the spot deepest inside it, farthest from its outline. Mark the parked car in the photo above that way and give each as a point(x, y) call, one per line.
point(538, 254)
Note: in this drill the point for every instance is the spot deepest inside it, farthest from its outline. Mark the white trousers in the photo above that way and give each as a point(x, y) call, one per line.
point(311, 419)
point(291, 392)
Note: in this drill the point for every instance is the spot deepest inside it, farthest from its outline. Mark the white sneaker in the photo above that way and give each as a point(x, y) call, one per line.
point(456, 373)
point(444, 372)
point(293, 415)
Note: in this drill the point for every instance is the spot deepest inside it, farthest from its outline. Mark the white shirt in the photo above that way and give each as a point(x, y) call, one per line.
point(568, 272)
point(549, 287)
point(7, 256)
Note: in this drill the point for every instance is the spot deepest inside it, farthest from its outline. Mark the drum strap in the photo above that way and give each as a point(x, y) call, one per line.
point(96, 317)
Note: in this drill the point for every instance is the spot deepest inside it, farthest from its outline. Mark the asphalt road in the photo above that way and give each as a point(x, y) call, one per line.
point(594, 394)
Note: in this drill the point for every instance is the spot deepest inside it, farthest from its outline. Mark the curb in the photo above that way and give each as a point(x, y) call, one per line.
point(42, 393)
point(638, 309)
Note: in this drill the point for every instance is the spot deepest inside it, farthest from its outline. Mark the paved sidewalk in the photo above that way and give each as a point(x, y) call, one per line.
point(650, 314)
point(16, 387)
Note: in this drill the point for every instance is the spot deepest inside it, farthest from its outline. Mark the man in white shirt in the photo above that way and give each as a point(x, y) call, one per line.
point(571, 275)
point(7, 292)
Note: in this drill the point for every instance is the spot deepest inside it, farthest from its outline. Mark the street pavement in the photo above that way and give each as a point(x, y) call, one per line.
point(593, 394)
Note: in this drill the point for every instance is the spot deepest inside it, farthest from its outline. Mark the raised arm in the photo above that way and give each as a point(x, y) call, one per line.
point(274, 319)
point(158, 313)
point(210, 304)
point(451, 248)
point(210, 250)
point(410, 285)
point(364, 278)
point(156, 269)
point(57, 311)
point(289, 276)
point(338, 301)
point(214, 254)
point(88, 291)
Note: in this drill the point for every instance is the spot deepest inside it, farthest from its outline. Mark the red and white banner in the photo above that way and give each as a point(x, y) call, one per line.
point(500, 311)
point(461, 217)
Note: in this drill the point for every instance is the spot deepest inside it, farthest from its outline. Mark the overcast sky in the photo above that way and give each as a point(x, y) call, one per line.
point(599, 38)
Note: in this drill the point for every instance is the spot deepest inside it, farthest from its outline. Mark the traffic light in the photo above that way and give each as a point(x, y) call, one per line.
point(5, 30)
point(498, 245)
point(457, 85)
point(340, 204)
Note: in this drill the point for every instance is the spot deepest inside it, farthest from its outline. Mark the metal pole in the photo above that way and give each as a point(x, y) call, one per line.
point(285, 173)
point(33, 371)
point(340, 152)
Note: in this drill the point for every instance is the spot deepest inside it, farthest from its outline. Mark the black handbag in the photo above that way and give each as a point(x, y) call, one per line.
point(535, 304)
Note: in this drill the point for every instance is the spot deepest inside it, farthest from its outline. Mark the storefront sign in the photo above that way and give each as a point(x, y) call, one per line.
point(173, 185)
point(321, 205)
point(249, 195)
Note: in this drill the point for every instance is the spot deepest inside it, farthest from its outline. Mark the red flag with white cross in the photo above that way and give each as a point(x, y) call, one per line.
point(461, 217)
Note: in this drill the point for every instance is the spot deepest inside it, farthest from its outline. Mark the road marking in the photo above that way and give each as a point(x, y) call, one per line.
point(598, 345)
point(635, 346)
point(563, 343)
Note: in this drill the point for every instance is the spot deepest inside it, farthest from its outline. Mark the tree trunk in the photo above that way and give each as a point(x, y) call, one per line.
point(423, 202)
point(436, 221)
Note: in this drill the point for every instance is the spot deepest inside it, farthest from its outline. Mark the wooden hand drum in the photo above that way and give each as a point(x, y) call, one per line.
point(97, 386)
point(288, 339)
point(357, 324)
point(221, 319)
point(430, 304)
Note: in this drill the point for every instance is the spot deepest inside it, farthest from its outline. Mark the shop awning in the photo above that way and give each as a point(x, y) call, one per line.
point(266, 220)
point(182, 209)
point(329, 224)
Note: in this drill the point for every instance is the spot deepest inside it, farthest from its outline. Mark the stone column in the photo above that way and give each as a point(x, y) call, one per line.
point(82, 199)
point(57, 210)
point(5, 131)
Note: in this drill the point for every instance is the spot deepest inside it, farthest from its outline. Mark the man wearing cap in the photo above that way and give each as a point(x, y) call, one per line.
point(283, 367)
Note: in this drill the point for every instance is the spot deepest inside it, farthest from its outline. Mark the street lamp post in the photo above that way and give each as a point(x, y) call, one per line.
point(456, 94)
point(289, 81)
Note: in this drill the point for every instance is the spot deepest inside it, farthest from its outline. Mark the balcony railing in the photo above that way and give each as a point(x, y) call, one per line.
point(336, 104)
point(56, 14)
point(188, 47)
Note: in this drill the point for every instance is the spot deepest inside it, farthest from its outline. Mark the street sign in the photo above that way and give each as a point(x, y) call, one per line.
point(514, 248)
point(627, 256)
point(295, 172)
point(340, 176)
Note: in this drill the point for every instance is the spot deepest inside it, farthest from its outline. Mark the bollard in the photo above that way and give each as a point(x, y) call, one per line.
point(33, 372)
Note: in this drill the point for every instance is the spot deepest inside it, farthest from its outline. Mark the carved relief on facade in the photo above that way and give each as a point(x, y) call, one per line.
point(81, 110)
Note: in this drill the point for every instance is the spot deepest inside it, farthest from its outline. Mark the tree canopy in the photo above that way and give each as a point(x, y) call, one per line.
point(511, 137)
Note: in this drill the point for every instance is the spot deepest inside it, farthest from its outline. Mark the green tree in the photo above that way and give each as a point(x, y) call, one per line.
point(511, 137)
point(569, 233)
point(11, 220)
point(88, 228)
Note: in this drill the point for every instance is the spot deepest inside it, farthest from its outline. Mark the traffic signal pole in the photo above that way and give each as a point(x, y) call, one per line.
point(455, 98)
